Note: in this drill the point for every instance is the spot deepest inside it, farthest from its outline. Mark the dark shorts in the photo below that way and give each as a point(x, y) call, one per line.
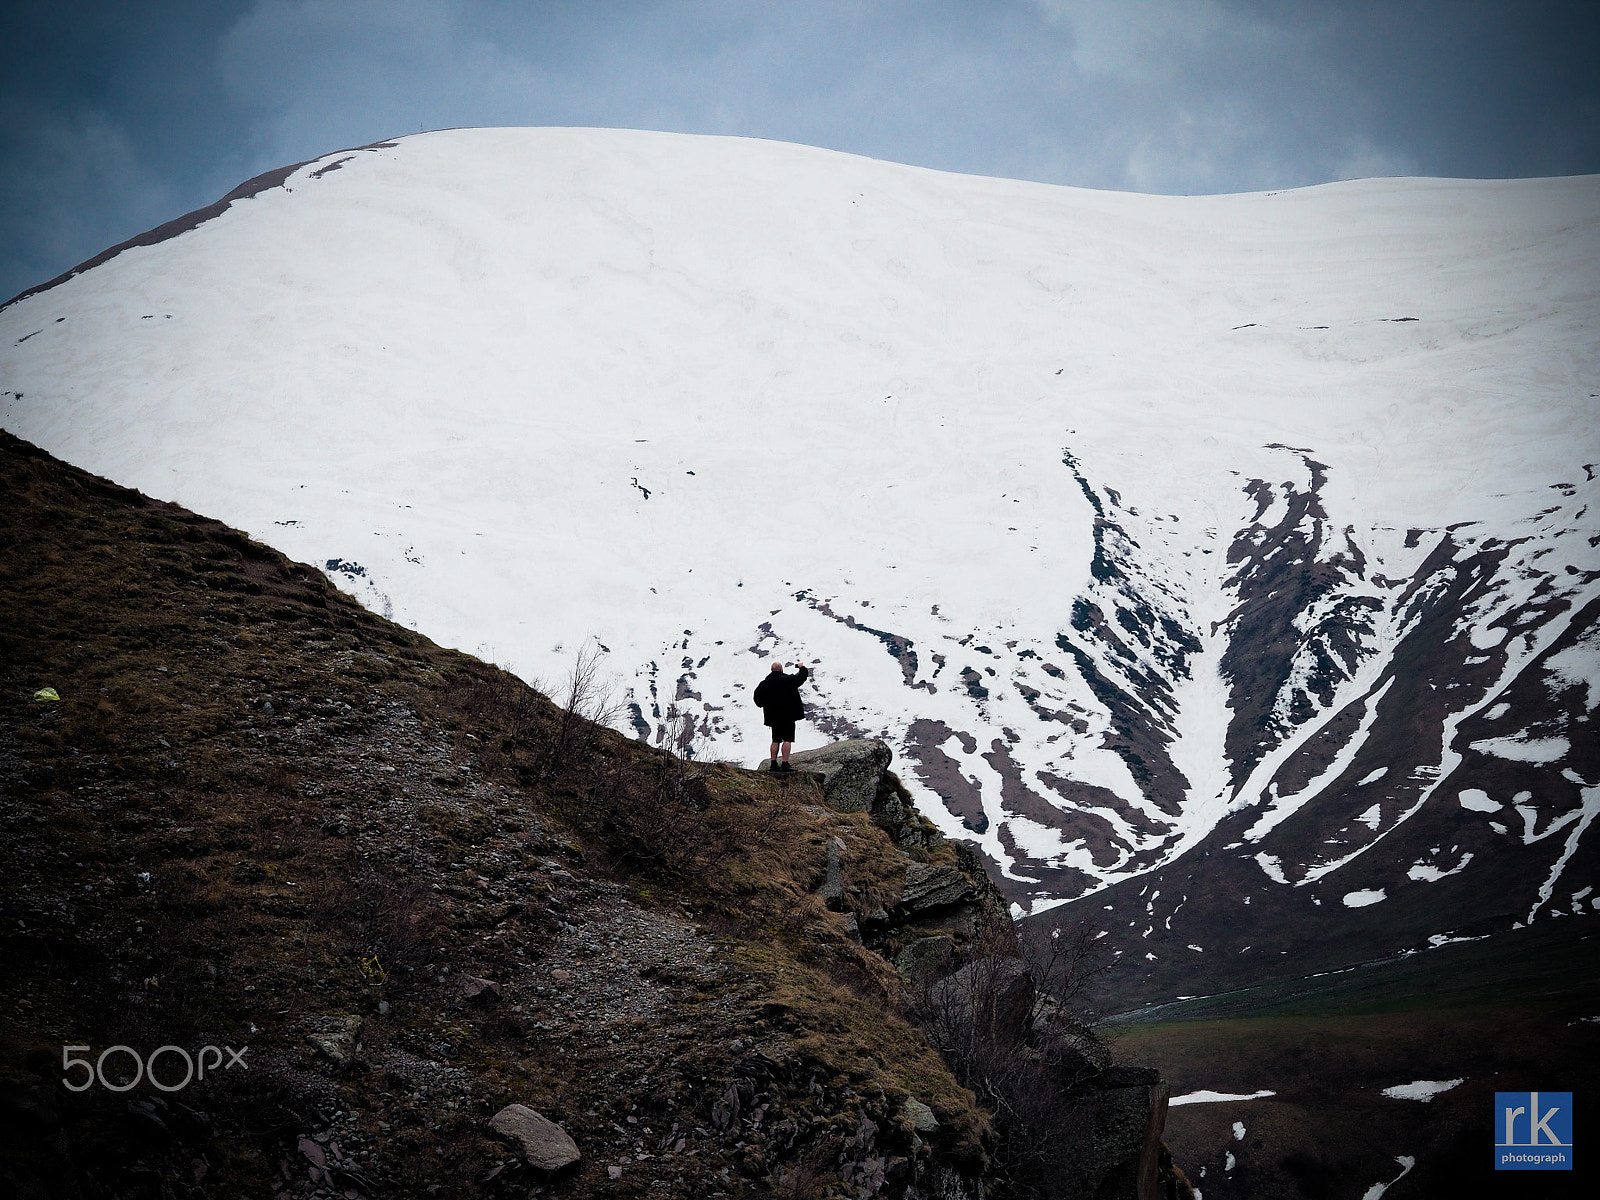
point(782, 731)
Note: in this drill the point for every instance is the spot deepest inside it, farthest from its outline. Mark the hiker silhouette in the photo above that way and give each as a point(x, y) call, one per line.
point(779, 697)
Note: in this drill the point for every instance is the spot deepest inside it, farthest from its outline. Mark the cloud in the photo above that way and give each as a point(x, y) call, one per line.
point(319, 74)
point(113, 123)
point(73, 179)
point(1137, 39)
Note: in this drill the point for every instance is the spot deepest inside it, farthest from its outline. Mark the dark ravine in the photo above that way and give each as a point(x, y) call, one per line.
point(446, 925)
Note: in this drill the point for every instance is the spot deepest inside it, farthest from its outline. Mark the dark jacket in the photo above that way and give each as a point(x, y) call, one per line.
point(779, 696)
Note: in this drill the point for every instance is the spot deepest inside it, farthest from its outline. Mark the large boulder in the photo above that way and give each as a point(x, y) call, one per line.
point(1114, 1149)
point(1074, 1045)
point(334, 1036)
point(540, 1142)
point(926, 957)
point(849, 771)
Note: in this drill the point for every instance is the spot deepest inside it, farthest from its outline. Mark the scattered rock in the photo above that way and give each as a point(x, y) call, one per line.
point(542, 1143)
point(930, 887)
point(480, 991)
point(334, 1037)
point(920, 1116)
point(313, 1152)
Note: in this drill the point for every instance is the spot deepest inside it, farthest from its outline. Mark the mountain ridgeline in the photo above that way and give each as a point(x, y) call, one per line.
point(1226, 567)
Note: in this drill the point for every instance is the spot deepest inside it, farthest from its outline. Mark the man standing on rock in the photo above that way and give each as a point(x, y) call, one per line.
point(779, 697)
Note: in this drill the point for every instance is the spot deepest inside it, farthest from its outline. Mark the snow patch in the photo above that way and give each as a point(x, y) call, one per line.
point(1522, 748)
point(1435, 940)
point(1578, 666)
point(1270, 864)
point(1363, 897)
point(1423, 872)
point(1372, 818)
point(1205, 1096)
point(1485, 638)
point(1477, 800)
point(1581, 818)
point(1372, 776)
point(1406, 1162)
point(1421, 1089)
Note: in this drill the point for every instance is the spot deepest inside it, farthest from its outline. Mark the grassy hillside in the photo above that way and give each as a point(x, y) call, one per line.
point(416, 891)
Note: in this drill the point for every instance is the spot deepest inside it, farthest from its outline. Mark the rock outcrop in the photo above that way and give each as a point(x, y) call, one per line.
point(849, 771)
point(929, 887)
point(945, 908)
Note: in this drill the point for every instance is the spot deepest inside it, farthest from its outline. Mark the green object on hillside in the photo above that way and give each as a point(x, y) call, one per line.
point(46, 694)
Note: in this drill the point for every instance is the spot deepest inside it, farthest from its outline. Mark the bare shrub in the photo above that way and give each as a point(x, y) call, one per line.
point(498, 698)
point(587, 706)
point(650, 810)
point(510, 716)
point(1024, 1055)
point(384, 921)
point(1067, 959)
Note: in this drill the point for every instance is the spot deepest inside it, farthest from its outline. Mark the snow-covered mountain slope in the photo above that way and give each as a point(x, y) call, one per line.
point(1255, 532)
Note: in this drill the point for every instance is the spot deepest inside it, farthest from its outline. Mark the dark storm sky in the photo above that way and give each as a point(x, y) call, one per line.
point(115, 117)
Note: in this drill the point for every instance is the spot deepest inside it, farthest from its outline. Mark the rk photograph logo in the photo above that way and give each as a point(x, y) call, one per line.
point(1533, 1131)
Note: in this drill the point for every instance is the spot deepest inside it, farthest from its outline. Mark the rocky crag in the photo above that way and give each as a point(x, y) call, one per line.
point(447, 937)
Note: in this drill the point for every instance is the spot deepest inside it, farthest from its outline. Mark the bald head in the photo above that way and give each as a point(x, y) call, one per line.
point(777, 666)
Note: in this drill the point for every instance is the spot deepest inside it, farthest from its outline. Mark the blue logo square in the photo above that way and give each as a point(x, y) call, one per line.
point(1533, 1131)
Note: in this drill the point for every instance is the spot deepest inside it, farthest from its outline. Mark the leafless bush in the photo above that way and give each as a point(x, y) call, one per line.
point(500, 699)
point(383, 919)
point(650, 810)
point(999, 1026)
point(1066, 959)
point(508, 715)
point(587, 706)
point(679, 734)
